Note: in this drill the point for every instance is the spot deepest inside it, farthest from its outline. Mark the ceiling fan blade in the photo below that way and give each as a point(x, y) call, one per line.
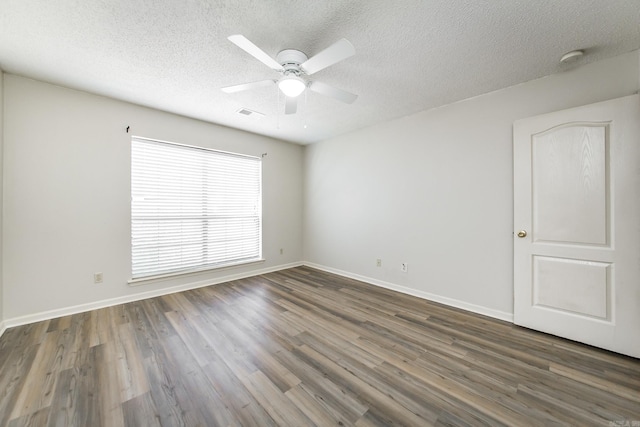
point(245, 44)
point(291, 105)
point(247, 86)
point(342, 49)
point(333, 92)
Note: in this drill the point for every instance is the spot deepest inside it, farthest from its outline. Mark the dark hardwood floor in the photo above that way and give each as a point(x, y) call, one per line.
point(303, 347)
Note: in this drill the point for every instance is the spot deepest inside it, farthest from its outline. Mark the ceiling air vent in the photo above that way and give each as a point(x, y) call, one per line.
point(247, 112)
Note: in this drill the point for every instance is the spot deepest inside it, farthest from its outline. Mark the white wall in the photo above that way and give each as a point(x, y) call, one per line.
point(67, 196)
point(435, 190)
point(1, 186)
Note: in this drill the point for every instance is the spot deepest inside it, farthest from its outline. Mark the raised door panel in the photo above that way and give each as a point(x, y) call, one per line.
point(573, 286)
point(570, 184)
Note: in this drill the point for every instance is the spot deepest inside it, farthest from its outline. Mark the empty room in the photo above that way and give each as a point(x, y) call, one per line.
point(316, 213)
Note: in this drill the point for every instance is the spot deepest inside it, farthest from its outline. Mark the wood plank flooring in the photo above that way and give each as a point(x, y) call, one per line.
point(302, 347)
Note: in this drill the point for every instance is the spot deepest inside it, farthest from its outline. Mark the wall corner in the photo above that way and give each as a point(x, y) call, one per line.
point(1, 199)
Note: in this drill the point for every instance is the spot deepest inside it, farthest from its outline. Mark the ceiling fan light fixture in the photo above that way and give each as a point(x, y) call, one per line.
point(292, 86)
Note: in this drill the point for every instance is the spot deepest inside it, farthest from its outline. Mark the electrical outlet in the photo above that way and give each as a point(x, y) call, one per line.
point(97, 277)
point(281, 251)
point(404, 267)
point(378, 262)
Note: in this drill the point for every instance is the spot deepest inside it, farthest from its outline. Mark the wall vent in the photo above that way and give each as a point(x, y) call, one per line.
point(247, 112)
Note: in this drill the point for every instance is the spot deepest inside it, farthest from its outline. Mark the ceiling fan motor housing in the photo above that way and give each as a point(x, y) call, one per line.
point(290, 59)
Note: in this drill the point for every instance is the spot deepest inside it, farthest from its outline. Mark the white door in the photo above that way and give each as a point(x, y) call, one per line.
point(577, 224)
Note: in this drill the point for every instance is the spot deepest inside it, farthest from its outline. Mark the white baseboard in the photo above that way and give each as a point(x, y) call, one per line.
point(496, 314)
point(52, 314)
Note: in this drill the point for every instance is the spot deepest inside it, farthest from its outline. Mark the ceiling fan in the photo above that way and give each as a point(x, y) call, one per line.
point(294, 66)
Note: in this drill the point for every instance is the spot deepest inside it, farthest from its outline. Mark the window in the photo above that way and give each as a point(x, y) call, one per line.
point(192, 208)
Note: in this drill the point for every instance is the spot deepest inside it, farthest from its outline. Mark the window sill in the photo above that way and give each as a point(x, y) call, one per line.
point(161, 277)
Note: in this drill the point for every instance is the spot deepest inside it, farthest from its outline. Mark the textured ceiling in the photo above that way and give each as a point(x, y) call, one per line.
point(411, 55)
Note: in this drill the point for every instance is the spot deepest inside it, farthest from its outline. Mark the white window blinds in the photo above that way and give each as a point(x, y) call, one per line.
point(192, 208)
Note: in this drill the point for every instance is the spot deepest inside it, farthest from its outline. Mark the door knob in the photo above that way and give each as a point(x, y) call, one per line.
point(522, 233)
